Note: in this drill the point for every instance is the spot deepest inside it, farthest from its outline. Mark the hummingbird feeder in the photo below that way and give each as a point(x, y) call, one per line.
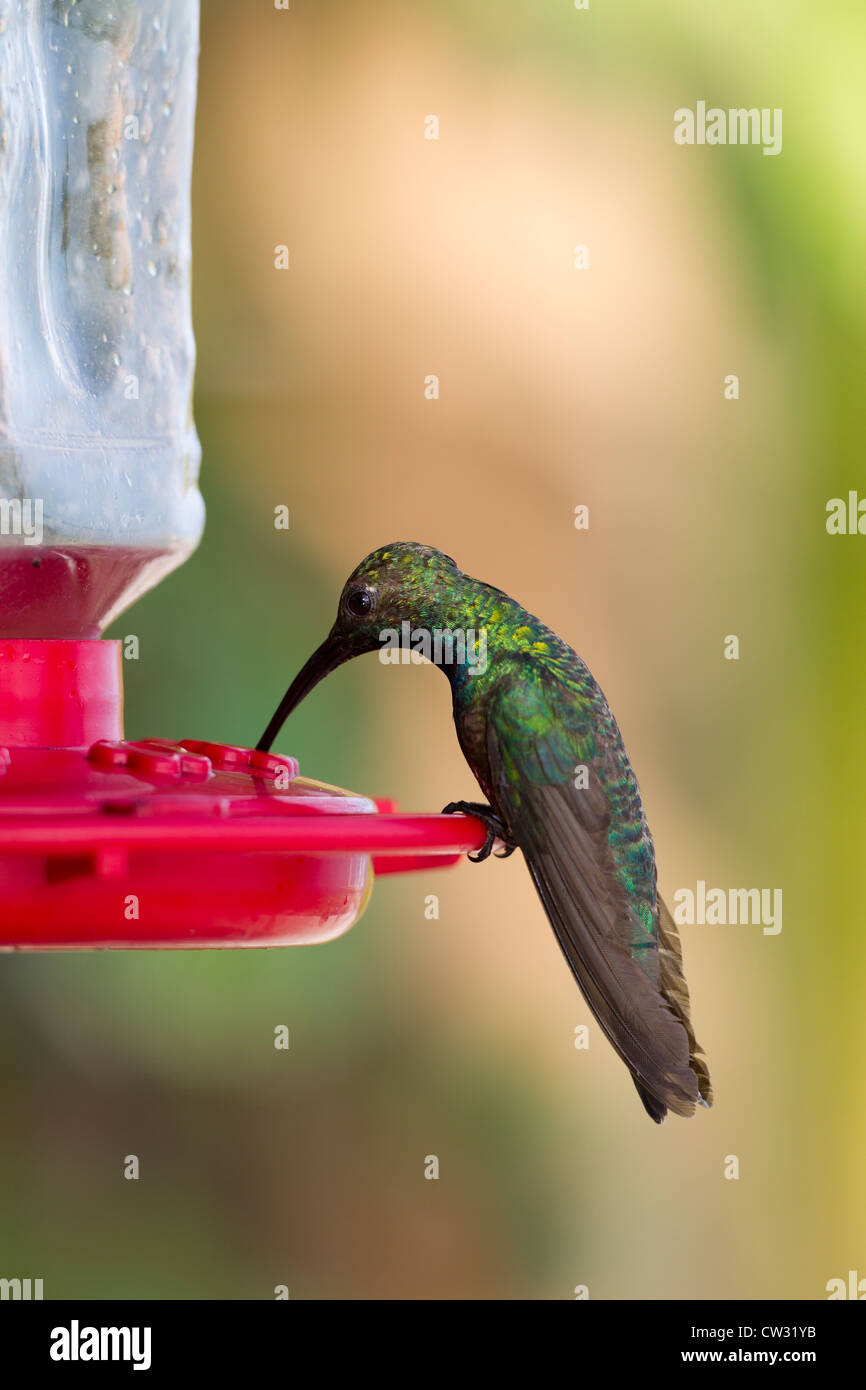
point(105, 842)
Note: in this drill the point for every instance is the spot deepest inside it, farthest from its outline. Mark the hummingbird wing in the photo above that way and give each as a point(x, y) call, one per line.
point(628, 964)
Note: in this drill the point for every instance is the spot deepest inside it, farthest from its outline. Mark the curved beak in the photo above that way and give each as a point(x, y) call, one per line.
point(326, 658)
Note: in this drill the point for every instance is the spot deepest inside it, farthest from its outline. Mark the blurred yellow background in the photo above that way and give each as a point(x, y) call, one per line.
point(559, 387)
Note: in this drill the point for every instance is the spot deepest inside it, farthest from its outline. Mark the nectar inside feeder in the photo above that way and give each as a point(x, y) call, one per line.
point(103, 842)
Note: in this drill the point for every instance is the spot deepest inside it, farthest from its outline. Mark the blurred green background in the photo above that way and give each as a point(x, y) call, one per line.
point(558, 387)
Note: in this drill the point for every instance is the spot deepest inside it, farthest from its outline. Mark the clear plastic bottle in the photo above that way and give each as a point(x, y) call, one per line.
point(98, 452)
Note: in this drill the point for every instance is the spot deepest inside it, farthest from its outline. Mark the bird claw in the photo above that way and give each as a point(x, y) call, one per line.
point(492, 824)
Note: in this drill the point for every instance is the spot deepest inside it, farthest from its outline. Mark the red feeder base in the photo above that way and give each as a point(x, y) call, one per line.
point(105, 843)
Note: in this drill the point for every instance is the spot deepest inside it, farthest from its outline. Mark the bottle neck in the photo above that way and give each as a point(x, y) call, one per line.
point(63, 693)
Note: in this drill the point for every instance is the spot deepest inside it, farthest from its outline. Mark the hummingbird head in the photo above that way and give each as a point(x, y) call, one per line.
point(401, 582)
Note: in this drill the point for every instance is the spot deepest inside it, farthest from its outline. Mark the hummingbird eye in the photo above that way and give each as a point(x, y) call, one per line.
point(359, 602)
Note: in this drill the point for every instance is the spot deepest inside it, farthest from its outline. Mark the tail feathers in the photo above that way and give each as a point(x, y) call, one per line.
point(674, 991)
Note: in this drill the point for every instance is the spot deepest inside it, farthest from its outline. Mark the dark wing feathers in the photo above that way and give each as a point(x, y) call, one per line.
point(563, 833)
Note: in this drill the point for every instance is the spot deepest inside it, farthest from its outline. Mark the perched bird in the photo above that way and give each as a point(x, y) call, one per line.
point(539, 736)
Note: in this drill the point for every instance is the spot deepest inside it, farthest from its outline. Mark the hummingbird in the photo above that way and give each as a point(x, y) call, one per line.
point(546, 751)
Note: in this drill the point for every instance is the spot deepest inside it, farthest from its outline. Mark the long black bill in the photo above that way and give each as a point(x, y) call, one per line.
point(332, 653)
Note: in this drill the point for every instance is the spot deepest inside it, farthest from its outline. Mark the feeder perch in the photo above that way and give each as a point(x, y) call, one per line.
point(105, 842)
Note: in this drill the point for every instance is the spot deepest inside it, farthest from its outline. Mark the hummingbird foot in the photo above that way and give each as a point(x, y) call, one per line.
point(492, 824)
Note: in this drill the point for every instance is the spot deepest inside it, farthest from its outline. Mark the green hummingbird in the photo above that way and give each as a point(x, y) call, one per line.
point(537, 732)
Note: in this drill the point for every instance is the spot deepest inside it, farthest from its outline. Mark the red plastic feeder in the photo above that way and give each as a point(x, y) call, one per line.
point(105, 843)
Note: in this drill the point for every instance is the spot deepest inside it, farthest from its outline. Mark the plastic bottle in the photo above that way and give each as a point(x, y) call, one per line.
point(98, 452)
